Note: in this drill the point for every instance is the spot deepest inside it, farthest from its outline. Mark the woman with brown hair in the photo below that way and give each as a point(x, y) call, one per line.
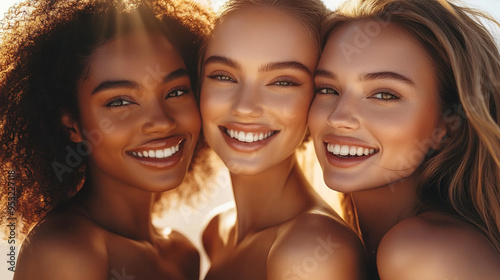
point(406, 120)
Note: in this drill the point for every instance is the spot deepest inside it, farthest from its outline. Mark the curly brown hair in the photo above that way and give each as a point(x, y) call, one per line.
point(45, 46)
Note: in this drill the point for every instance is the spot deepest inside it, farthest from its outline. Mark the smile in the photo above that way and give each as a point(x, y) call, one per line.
point(249, 137)
point(158, 153)
point(349, 151)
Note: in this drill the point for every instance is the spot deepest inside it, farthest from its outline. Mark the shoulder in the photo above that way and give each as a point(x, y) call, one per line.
point(436, 246)
point(316, 246)
point(187, 257)
point(57, 247)
point(216, 233)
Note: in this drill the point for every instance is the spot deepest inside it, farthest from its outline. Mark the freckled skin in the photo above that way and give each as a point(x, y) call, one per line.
point(278, 218)
point(105, 231)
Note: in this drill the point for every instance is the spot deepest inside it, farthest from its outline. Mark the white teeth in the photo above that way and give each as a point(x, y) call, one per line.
point(248, 137)
point(165, 153)
point(241, 136)
point(344, 150)
point(159, 153)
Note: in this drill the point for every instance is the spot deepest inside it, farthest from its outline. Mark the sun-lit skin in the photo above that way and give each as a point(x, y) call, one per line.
point(143, 93)
point(257, 86)
point(135, 98)
point(383, 98)
point(262, 88)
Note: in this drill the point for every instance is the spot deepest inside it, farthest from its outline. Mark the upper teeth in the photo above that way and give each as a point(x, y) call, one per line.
point(248, 137)
point(164, 153)
point(345, 150)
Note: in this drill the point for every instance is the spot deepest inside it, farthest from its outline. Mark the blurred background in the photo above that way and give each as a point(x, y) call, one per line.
point(190, 220)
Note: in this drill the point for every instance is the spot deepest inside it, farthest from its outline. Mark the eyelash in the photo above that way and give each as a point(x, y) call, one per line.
point(221, 76)
point(327, 90)
point(392, 96)
point(121, 100)
point(124, 102)
point(285, 82)
point(176, 93)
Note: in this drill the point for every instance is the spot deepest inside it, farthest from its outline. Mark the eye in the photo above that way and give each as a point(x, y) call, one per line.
point(285, 82)
point(385, 96)
point(176, 93)
point(327, 90)
point(118, 102)
point(223, 77)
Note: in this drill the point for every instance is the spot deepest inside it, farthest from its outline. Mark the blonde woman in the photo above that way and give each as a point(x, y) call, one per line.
point(406, 120)
point(257, 86)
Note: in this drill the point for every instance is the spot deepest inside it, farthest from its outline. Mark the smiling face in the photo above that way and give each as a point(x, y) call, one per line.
point(257, 88)
point(138, 113)
point(375, 114)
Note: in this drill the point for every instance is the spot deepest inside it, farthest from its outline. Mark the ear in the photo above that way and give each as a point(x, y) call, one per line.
point(72, 127)
point(440, 135)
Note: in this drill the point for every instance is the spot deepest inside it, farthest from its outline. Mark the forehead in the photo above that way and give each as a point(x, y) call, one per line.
point(134, 52)
point(261, 32)
point(370, 41)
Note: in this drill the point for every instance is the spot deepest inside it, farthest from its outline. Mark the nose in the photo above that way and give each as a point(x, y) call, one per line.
point(246, 102)
point(157, 120)
point(343, 115)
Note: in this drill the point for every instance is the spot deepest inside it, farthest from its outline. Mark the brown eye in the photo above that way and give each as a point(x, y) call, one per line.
point(176, 93)
point(385, 96)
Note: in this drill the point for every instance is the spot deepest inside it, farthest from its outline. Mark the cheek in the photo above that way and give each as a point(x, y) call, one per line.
point(406, 135)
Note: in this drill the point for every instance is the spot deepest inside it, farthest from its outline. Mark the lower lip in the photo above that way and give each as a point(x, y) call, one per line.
point(345, 162)
point(245, 147)
point(162, 163)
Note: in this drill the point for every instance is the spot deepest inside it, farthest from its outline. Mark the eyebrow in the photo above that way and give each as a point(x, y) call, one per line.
point(387, 75)
point(265, 68)
point(222, 60)
point(114, 84)
point(368, 76)
point(284, 65)
point(325, 74)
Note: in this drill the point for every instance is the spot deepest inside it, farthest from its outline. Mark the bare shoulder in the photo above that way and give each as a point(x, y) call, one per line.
point(216, 234)
point(436, 246)
point(187, 257)
point(316, 245)
point(58, 246)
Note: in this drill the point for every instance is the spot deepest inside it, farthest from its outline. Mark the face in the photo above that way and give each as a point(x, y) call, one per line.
point(375, 114)
point(257, 88)
point(138, 113)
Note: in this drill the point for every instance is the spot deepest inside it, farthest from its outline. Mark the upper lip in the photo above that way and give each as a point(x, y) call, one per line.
point(349, 141)
point(248, 127)
point(158, 144)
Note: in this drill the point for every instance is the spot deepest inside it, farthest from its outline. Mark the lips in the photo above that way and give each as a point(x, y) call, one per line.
point(247, 137)
point(162, 153)
point(347, 150)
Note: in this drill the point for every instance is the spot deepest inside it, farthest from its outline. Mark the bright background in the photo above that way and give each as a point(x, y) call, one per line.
point(191, 220)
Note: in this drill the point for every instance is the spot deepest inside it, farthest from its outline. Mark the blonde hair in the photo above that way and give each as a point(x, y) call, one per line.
point(463, 177)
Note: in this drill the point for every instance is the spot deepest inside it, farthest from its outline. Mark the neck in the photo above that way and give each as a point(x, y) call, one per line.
point(270, 198)
point(118, 208)
point(382, 208)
